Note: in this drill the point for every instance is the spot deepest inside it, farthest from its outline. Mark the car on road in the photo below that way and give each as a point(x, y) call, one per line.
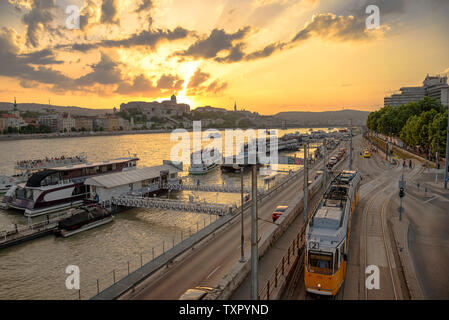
point(278, 212)
point(197, 293)
point(366, 154)
point(333, 160)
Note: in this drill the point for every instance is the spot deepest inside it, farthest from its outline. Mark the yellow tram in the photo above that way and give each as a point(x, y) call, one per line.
point(327, 235)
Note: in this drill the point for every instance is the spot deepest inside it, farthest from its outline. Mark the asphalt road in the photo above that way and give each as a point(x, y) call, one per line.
point(428, 238)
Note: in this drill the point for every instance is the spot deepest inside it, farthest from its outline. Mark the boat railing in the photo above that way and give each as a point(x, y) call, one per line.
point(17, 229)
point(49, 163)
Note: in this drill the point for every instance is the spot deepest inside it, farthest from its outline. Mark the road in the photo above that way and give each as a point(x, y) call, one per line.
point(428, 238)
point(207, 265)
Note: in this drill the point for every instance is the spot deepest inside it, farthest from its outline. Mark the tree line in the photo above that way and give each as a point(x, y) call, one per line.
point(420, 125)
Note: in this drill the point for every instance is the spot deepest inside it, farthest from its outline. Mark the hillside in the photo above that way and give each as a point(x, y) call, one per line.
point(36, 107)
point(327, 118)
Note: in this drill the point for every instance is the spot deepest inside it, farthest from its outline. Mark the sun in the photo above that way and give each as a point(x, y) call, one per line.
point(187, 69)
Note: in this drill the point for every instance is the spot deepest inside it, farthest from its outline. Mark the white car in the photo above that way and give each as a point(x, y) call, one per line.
point(333, 160)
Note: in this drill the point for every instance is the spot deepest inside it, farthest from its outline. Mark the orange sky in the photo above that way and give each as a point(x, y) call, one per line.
point(268, 55)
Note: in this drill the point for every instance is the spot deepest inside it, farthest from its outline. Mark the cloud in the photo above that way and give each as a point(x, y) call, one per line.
point(216, 87)
point(197, 85)
point(144, 5)
point(148, 38)
point(87, 14)
point(170, 82)
point(198, 78)
point(143, 86)
point(325, 26)
point(265, 52)
point(140, 85)
point(42, 57)
point(330, 26)
point(218, 40)
point(109, 12)
point(39, 18)
point(20, 66)
point(106, 72)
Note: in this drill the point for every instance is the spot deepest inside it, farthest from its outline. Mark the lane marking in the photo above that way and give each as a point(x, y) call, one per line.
point(210, 274)
point(433, 198)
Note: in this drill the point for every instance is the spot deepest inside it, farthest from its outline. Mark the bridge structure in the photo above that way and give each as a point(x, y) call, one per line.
point(170, 204)
point(225, 188)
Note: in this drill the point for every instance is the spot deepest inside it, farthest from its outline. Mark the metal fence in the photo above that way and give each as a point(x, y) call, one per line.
point(88, 290)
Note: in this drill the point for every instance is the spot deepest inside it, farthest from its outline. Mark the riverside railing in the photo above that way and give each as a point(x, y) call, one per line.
point(94, 287)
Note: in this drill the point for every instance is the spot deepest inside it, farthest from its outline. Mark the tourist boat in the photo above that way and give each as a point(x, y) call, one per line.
point(25, 168)
point(82, 219)
point(199, 165)
point(59, 188)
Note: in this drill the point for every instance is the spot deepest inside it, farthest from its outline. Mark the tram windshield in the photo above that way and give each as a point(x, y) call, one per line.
point(320, 262)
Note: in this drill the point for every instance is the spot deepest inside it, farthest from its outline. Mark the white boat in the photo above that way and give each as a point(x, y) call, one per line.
point(52, 190)
point(25, 168)
point(204, 161)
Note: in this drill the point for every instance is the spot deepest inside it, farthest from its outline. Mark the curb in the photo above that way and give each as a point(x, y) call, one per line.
point(400, 233)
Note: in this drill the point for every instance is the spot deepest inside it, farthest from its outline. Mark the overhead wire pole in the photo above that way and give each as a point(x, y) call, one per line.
point(325, 166)
point(242, 256)
point(350, 148)
point(438, 153)
point(254, 244)
point(306, 180)
point(446, 178)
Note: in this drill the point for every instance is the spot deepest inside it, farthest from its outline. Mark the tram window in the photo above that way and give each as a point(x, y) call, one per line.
point(321, 262)
point(336, 264)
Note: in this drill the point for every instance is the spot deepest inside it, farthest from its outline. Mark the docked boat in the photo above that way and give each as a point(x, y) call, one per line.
point(84, 218)
point(25, 168)
point(59, 188)
point(204, 161)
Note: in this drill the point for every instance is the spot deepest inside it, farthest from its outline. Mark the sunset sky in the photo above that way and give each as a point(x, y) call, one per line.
point(268, 55)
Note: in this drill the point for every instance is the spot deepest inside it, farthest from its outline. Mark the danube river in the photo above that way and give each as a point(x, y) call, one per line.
point(36, 269)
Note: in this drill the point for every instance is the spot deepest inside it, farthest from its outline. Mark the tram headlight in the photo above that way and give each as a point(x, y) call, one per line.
point(319, 285)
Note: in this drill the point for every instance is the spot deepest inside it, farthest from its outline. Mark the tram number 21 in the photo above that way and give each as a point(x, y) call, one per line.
point(314, 245)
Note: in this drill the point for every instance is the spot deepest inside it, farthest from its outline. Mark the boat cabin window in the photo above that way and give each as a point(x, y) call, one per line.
point(50, 180)
point(320, 262)
point(131, 164)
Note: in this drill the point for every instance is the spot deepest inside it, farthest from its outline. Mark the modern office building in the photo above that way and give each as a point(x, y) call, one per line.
point(433, 87)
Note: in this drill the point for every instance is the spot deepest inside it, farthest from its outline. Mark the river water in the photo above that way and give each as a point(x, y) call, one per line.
point(36, 269)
